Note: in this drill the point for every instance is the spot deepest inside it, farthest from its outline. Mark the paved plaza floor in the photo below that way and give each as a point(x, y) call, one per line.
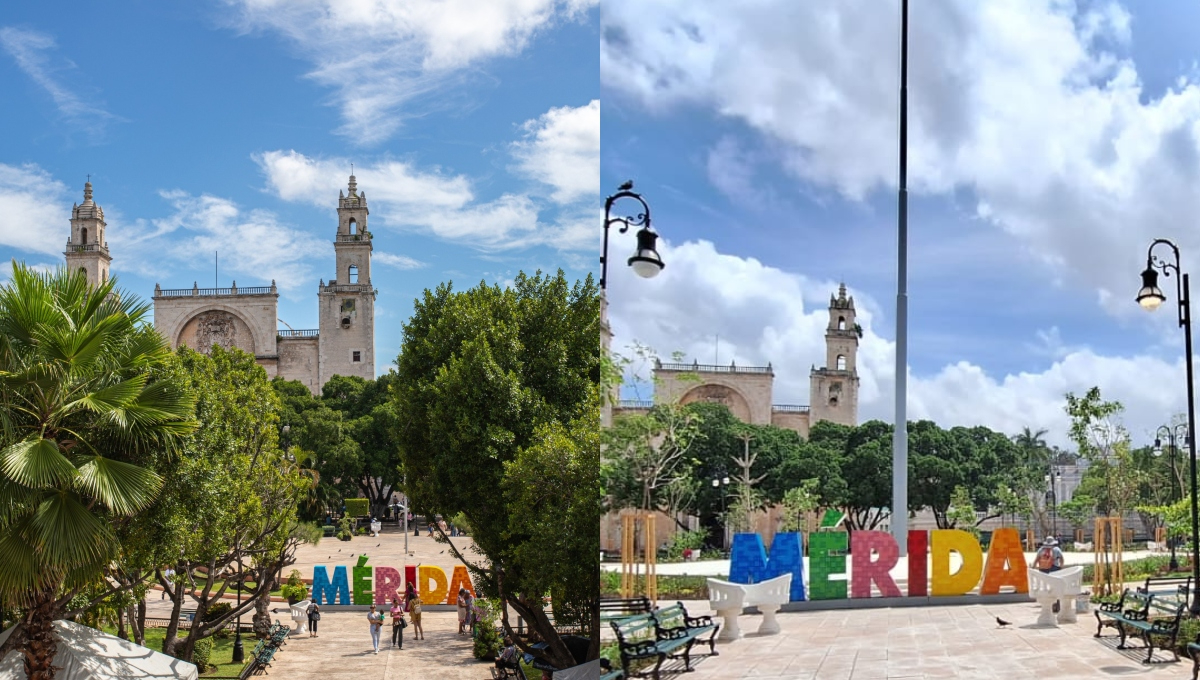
point(342, 650)
point(928, 642)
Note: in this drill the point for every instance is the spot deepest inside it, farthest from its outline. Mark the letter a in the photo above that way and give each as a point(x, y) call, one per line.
point(1005, 564)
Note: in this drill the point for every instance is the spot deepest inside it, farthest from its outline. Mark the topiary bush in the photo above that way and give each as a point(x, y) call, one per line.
point(202, 653)
point(357, 507)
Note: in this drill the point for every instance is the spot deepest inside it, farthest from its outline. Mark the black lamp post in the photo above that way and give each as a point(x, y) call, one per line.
point(1052, 497)
point(1173, 436)
point(1150, 297)
point(646, 261)
point(239, 653)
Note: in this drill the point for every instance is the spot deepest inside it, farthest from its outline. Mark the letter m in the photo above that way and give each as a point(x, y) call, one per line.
point(749, 562)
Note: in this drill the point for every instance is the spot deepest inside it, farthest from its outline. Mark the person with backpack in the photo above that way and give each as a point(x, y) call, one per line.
point(1049, 557)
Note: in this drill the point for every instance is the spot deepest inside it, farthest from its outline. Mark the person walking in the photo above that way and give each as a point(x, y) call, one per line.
point(376, 621)
point(168, 574)
point(398, 623)
point(414, 611)
point(470, 611)
point(462, 609)
point(314, 615)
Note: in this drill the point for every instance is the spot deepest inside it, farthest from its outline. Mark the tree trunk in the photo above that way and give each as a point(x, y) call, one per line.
point(140, 631)
point(121, 632)
point(40, 642)
point(262, 606)
point(170, 639)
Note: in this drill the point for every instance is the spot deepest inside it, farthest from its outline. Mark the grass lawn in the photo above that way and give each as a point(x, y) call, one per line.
point(222, 653)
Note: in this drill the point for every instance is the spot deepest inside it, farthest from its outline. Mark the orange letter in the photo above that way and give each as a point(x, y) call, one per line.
point(460, 579)
point(966, 578)
point(1005, 564)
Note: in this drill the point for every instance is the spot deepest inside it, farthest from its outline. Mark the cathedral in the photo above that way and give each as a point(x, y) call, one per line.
point(247, 317)
point(748, 390)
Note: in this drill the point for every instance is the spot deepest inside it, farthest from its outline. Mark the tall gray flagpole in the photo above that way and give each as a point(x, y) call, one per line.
point(900, 431)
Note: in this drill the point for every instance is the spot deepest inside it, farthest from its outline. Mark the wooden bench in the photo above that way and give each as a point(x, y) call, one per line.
point(618, 608)
point(1166, 625)
point(1177, 587)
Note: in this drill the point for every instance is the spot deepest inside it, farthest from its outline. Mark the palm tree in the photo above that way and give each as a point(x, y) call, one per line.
point(81, 419)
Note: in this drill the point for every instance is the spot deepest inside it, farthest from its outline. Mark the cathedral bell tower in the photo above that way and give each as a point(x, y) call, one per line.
point(87, 250)
point(347, 303)
point(833, 391)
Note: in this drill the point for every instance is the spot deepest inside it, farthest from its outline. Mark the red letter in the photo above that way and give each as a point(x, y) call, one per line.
point(918, 568)
point(863, 570)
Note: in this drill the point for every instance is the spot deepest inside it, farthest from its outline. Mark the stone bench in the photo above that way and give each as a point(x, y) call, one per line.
point(1062, 586)
point(729, 599)
point(300, 616)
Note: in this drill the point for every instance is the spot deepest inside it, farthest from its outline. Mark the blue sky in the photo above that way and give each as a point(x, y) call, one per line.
point(230, 126)
point(1050, 143)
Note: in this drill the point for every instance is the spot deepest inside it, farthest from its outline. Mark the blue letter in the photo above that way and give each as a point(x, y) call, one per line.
point(340, 587)
point(749, 563)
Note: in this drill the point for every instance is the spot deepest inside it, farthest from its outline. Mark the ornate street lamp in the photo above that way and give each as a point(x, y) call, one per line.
point(646, 261)
point(1150, 297)
point(1173, 437)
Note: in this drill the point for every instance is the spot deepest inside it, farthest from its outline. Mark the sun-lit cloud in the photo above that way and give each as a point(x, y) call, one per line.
point(561, 148)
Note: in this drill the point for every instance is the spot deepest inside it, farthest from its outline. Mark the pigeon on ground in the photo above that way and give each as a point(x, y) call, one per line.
point(378, 544)
point(441, 552)
point(339, 549)
point(1002, 622)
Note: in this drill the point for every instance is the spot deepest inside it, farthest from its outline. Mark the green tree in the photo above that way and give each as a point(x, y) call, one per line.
point(229, 505)
point(84, 420)
point(484, 373)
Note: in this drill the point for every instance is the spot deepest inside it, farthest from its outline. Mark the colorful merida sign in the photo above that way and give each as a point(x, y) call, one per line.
point(872, 556)
point(378, 585)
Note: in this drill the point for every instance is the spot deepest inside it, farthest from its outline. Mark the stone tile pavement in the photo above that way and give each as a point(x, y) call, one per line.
point(342, 651)
point(928, 642)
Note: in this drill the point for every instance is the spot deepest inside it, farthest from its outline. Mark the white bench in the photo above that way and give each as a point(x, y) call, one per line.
point(1062, 586)
point(768, 597)
point(729, 599)
point(300, 616)
point(1083, 547)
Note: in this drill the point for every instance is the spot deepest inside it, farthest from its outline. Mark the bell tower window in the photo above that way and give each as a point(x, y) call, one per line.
point(841, 362)
point(353, 226)
point(841, 323)
point(353, 272)
point(83, 235)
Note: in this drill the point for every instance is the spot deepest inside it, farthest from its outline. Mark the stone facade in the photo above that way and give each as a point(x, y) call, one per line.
point(87, 249)
point(247, 318)
point(748, 390)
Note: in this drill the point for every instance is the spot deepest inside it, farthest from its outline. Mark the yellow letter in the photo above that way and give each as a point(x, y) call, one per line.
point(436, 594)
point(945, 541)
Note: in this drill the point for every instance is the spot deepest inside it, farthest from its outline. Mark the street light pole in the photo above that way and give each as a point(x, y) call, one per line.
point(645, 261)
point(1172, 436)
point(900, 429)
point(1150, 297)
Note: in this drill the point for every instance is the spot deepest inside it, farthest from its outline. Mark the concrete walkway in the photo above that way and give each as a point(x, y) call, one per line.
point(343, 651)
point(928, 642)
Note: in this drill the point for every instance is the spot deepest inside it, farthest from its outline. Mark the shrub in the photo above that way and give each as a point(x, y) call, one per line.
point(357, 507)
point(217, 611)
point(291, 592)
point(487, 640)
point(683, 540)
point(202, 653)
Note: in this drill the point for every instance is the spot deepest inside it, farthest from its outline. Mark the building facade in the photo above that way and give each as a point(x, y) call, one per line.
point(748, 390)
point(248, 317)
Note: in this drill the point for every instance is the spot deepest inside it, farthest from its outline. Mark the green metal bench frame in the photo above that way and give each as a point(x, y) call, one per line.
point(1163, 626)
point(646, 648)
point(689, 628)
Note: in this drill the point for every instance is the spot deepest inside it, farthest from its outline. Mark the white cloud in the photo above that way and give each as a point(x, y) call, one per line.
point(381, 55)
point(397, 261)
point(562, 149)
point(252, 244)
point(430, 201)
point(1031, 106)
point(706, 303)
point(30, 50)
point(33, 210)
